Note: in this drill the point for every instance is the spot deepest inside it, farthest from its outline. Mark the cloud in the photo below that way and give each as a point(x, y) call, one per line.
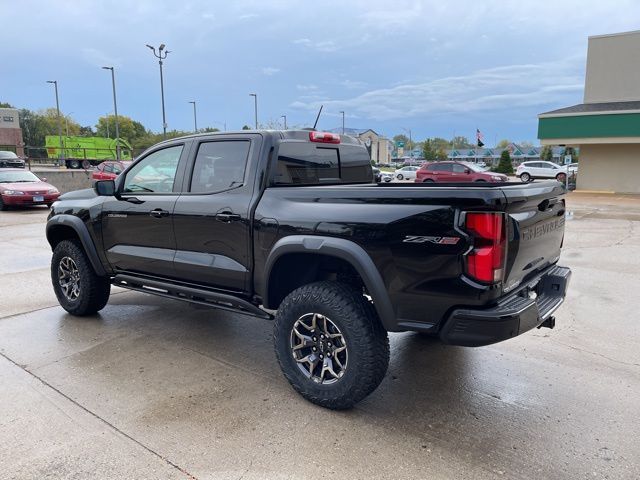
point(490, 90)
point(352, 84)
point(248, 16)
point(270, 71)
point(98, 58)
point(307, 88)
point(322, 46)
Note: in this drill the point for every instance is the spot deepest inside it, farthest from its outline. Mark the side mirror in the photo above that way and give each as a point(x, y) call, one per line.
point(44, 179)
point(467, 171)
point(105, 188)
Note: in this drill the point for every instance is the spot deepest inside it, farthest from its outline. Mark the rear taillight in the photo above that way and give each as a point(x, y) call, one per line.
point(485, 262)
point(324, 137)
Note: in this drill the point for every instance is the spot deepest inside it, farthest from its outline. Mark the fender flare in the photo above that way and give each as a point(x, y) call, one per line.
point(81, 230)
point(346, 250)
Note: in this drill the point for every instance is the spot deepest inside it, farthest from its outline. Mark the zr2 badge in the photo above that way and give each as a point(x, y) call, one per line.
point(436, 240)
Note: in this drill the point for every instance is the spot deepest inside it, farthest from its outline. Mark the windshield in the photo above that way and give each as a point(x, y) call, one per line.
point(8, 155)
point(16, 177)
point(475, 168)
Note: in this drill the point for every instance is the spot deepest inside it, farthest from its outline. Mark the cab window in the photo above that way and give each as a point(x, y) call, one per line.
point(219, 166)
point(155, 173)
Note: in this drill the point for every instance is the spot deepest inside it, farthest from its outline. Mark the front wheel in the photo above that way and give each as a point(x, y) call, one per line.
point(330, 344)
point(400, 176)
point(79, 289)
point(3, 207)
point(561, 177)
point(525, 177)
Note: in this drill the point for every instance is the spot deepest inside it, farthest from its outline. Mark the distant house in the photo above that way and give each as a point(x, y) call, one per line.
point(379, 146)
point(491, 156)
point(10, 131)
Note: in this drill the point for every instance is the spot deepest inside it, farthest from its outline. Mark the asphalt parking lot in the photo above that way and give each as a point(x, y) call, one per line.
point(152, 388)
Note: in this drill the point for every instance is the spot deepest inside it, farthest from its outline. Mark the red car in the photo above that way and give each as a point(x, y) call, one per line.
point(20, 187)
point(109, 170)
point(456, 172)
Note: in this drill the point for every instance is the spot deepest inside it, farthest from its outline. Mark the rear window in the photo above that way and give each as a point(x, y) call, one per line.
point(305, 163)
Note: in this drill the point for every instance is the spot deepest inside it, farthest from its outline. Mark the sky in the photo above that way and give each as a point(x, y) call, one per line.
point(434, 68)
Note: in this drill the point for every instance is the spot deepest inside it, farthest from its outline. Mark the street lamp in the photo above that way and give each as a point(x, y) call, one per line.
point(115, 109)
point(161, 55)
point(195, 118)
point(285, 121)
point(408, 130)
point(66, 122)
point(61, 151)
point(342, 112)
point(255, 107)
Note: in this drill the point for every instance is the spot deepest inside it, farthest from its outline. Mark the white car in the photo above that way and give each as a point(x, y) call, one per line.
point(406, 173)
point(528, 171)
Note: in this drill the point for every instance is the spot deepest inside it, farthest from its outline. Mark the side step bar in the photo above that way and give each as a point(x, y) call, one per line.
point(222, 301)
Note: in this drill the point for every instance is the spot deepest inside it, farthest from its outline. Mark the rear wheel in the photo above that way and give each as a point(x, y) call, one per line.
point(330, 344)
point(79, 290)
point(525, 177)
point(427, 180)
point(74, 164)
point(480, 181)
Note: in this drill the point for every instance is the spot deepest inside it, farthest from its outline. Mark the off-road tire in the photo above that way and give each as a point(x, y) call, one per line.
point(365, 337)
point(525, 177)
point(93, 289)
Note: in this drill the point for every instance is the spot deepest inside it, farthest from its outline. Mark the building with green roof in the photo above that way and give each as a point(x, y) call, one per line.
point(606, 126)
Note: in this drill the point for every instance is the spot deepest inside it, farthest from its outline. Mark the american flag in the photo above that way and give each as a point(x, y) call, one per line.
point(479, 137)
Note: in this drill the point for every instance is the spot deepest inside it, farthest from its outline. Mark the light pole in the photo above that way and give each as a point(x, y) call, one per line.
point(195, 118)
point(61, 152)
point(255, 107)
point(285, 121)
point(408, 130)
point(161, 55)
point(115, 110)
point(66, 122)
point(342, 112)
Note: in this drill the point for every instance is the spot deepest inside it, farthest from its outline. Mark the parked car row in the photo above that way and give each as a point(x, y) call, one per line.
point(10, 160)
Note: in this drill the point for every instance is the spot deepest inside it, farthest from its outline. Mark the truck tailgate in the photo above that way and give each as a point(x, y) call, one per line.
point(535, 229)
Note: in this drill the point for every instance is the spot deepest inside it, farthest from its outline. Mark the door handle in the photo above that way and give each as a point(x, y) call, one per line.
point(159, 213)
point(227, 217)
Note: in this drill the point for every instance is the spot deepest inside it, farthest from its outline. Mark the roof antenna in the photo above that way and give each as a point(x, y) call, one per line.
point(318, 117)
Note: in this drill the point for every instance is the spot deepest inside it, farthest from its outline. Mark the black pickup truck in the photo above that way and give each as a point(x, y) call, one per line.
point(290, 225)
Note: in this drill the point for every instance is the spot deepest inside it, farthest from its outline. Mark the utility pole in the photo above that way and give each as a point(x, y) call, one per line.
point(161, 55)
point(195, 118)
point(115, 110)
point(285, 121)
point(342, 112)
point(255, 107)
point(61, 151)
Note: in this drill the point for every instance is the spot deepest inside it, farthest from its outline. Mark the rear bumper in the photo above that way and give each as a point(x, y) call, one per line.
point(529, 307)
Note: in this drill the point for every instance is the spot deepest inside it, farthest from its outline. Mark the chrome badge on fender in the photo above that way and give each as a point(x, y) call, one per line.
point(436, 240)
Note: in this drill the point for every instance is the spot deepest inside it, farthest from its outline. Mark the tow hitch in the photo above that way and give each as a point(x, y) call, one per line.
point(548, 323)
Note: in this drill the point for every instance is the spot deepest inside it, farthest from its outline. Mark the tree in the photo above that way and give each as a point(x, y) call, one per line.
point(6, 105)
point(526, 144)
point(37, 125)
point(129, 129)
point(441, 155)
point(546, 153)
point(209, 130)
point(505, 166)
point(460, 142)
point(571, 151)
point(428, 151)
point(246, 127)
point(408, 146)
point(503, 143)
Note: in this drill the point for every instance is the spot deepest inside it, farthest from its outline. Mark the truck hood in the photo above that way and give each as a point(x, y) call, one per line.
point(87, 193)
